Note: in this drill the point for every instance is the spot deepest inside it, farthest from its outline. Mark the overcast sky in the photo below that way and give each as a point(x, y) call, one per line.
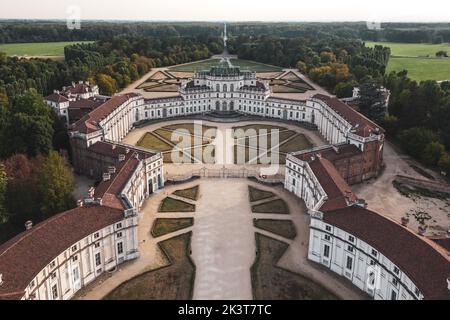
point(233, 10)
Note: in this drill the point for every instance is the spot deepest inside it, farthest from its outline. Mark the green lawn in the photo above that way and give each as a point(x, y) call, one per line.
point(421, 69)
point(206, 65)
point(37, 49)
point(412, 49)
point(174, 205)
point(419, 59)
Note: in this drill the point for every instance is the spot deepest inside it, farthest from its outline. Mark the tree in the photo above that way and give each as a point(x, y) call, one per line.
point(372, 102)
point(27, 126)
point(442, 54)
point(345, 89)
point(433, 153)
point(390, 124)
point(106, 84)
point(444, 163)
point(55, 185)
point(3, 185)
point(301, 66)
point(415, 140)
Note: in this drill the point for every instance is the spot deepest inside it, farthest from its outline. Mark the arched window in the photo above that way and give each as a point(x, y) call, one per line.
point(232, 105)
point(217, 87)
point(225, 87)
point(232, 87)
point(217, 105)
point(224, 106)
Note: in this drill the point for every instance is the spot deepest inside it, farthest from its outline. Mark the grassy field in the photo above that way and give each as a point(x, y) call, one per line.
point(37, 49)
point(284, 228)
point(244, 64)
point(174, 205)
point(419, 59)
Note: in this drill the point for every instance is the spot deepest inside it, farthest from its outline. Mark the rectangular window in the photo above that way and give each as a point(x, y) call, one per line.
point(396, 270)
point(327, 237)
point(374, 252)
point(96, 235)
point(119, 234)
point(328, 228)
point(326, 251)
point(351, 238)
point(98, 259)
point(55, 291)
point(349, 264)
point(393, 295)
point(120, 248)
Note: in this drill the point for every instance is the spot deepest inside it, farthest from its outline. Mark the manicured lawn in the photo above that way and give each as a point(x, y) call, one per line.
point(300, 142)
point(257, 194)
point(284, 228)
point(191, 193)
point(270, 282)
point(206, 65)
point(274, 206)
point(37, 49)
point(173, 205)
point(174, 282)
point(422, 69)
point(412, 49)
point(152, 142)
point(165, 226)
point(419, 59)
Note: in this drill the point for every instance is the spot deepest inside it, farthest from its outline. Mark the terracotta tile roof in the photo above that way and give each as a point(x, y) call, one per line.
point(338, 192)
point(85, 104)
point(113, 150)
point(56, 97)
point(444, 243)
point(111, 189)
point(89, 123)
point(363, 126)
point(78, 88)
point(332, 153)
point(418, 257)
point(25, 255)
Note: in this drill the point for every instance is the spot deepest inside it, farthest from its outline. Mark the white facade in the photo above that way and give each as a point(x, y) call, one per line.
point(85, 260)
point(366, 268)
point(300, 180)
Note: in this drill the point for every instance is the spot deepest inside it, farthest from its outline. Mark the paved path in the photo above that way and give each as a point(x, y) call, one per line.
point(223, 245)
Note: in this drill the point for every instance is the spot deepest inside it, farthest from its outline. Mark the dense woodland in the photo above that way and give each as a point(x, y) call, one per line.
point(35, 179)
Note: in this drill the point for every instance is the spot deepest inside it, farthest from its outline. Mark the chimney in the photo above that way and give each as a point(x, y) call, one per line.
point(113, 146)
point(79, 203)
point(1, 279)
point(405, 221)
point(121, 157)
point(91, 192)
point(422, 229)
point(28, 225)
point(112, 169)
point(106, 177)
point(127, 150)
point(448, 282)
point(100, 201)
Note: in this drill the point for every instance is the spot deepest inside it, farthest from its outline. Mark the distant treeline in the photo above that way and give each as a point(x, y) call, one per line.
point(22, 31)
point(17, 31)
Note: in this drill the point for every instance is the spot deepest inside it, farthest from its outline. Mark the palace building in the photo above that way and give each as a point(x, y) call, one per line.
point(57, 257)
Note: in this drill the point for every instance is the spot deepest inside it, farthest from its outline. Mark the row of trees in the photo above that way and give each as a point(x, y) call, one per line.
point(333, 62)
point(419, 117)
point(35, 181)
